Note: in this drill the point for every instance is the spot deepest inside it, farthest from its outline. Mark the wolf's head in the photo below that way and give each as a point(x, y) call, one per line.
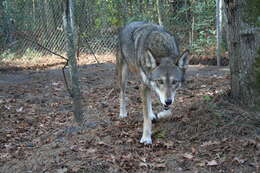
point(167, 76)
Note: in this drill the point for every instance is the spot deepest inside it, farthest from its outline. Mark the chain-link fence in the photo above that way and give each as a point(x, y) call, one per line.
point(27, 24)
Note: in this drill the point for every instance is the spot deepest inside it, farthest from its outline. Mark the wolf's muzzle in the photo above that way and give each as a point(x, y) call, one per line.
point(168, 102)
point(166, 107)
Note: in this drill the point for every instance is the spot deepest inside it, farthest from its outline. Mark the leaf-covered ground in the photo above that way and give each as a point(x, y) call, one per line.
point(206, 132)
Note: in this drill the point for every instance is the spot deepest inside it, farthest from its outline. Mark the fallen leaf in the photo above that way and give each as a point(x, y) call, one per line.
point(8, 107)
point(130, 140)
point(201, 164)
point(188, 156)
point(212, 163)
point(112, 158)
point(241, 161)
point(205, 144)
point(168, 144)
point(160, 165)
point(143, 159)
point(128, 156)
point(74, 148)
point(20, 109)
point(91, 150)
point(142, 164)
point(62, 170)
point(193, 150)
point(101, 143)
point(5, 156)
point(55, 83)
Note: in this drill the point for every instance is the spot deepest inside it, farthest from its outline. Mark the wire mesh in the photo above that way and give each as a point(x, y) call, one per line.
point(98, 23)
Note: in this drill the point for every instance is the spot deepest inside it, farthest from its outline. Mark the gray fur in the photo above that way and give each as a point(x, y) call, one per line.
point(151, 51)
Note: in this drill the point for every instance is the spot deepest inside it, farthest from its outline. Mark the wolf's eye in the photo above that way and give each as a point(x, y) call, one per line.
point(174, 82)
point(160, 82)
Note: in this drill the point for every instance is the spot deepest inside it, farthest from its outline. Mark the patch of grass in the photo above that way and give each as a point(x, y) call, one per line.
point(28, 54)
point(31, 54)
point(8, 54)
point(207, 98)
point(159, 134)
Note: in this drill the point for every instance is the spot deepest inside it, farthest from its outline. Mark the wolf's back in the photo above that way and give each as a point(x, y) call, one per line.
point(137, 37)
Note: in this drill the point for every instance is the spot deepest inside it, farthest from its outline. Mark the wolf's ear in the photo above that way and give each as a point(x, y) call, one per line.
point(151, 61)
point(183, 62)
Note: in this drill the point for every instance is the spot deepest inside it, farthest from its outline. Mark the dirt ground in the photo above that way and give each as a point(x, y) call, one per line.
point(207, 132)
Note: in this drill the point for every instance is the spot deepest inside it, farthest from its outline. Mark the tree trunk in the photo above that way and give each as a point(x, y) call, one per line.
point(191, 35)
point(7, 23)
point(159, 13)
point(243, 41)
point(218, 29)
point(69, 25)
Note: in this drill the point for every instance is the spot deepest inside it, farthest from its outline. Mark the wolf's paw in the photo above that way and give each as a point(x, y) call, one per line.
point(146, 140)
point(164, 113)
point(123, 115)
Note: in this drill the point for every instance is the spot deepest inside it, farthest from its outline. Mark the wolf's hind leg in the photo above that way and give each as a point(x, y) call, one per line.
point(123, 73)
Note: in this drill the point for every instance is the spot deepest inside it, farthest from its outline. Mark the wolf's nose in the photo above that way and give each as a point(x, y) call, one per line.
point(168, 102)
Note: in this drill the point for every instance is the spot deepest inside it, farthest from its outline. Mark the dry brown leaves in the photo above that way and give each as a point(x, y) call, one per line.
point(205, 133)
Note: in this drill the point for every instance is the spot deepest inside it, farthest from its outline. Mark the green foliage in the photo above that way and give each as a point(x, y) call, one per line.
point(28, 54)
point(206, 38)
point(159, 134)
point(97, 19)
point(8, 54)
point(204, 25)
point(253, 13)
point(207, 98)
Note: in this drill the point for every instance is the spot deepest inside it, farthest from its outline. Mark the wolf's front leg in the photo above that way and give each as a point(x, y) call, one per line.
point(123, 71)
point(151, 115)
point(147, 111)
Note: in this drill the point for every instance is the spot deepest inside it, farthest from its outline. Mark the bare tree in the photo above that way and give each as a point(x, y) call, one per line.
point(243, 36)
point(70, 29)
